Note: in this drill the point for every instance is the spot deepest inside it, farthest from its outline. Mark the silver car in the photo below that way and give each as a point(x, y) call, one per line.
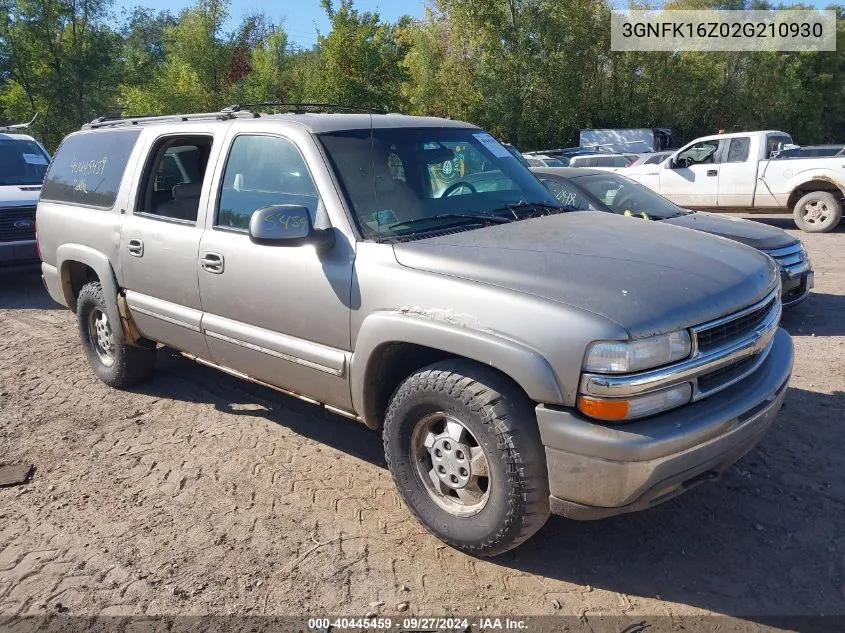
point(410, 273)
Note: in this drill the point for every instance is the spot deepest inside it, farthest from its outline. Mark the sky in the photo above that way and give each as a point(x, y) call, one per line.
point(301, 18)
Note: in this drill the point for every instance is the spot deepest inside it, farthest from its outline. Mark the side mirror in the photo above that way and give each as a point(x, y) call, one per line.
point(287, 225)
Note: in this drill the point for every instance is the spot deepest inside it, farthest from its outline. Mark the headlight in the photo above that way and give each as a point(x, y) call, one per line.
point(622, 357)
point(636, 406)
point(805, 256)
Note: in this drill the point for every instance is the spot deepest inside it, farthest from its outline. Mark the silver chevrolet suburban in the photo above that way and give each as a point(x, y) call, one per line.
point(520, 359)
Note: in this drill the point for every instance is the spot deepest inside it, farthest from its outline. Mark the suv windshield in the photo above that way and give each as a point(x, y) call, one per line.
point(619, 194)
point(408, 181)
point(22, 162)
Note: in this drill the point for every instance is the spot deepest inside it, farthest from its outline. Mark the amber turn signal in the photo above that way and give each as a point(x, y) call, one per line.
point(603, 409)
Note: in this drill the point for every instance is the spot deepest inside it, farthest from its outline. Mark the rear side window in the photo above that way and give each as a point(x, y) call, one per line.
point(87, 168)
point(173, 179)
point(776, 142)
point(738, 150)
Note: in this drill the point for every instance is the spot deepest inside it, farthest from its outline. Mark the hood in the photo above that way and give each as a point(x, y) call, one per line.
point(19, 195)
point(754, 234)
point(647, 277)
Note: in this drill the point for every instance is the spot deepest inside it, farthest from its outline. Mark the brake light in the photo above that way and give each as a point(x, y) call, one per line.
point(631, 163)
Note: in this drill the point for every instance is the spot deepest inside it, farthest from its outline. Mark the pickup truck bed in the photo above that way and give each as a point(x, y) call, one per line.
point(736, 172)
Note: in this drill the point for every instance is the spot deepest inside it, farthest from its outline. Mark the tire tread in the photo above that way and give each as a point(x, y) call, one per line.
point(132, 364)
point(506, 410)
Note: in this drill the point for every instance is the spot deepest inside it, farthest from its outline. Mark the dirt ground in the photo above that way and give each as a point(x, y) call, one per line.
point(199, 493)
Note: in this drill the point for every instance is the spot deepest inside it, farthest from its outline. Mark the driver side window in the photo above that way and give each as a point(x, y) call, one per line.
point(700, 153)
point(262, 171)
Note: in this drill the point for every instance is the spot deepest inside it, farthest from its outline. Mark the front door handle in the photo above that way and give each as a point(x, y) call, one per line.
point(712, 172)
point(135, 248)
point(212, 262)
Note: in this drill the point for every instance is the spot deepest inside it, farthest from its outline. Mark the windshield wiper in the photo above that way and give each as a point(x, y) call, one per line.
point(475, 217)
point(546, 208)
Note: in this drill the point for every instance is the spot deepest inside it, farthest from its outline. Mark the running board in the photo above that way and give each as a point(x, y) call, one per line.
point(287, 392)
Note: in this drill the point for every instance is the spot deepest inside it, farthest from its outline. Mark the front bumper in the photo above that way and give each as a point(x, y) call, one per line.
point(597, 470)
point(18, 255)
point(796, 285)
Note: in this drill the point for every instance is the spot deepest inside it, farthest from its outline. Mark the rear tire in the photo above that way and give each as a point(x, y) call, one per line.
point(115, 363)
point(464, 449)
point(817, 212)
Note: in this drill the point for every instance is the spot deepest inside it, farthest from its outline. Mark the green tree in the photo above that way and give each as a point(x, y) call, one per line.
point(440, 67)
point(62, 61)
point(143, 49)
point(361, 59)
point(197, 57)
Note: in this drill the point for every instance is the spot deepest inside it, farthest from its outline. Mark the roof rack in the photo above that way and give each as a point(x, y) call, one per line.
point(244, 110)
point(301, 108)
point(11, 129)
point(118, 121)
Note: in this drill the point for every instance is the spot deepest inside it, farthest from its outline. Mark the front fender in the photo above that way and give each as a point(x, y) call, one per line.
point(100, 264)
point(525, 366)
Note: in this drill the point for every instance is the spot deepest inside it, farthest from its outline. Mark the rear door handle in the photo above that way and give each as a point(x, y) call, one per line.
point(212, 262)
point(135, 248)
point(712, 172)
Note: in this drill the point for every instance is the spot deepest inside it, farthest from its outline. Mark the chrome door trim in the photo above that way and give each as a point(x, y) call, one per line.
point(289, 348)
point(161, 317)
point(187, 318)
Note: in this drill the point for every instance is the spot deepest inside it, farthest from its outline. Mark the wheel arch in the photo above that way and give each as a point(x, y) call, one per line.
point(816, 183)
point(77, 265)
point(392, 346)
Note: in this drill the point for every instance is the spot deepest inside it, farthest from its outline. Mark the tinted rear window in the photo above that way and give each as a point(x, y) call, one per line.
point(87, 168)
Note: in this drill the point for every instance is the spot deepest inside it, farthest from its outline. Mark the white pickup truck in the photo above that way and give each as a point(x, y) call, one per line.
point(740, 172)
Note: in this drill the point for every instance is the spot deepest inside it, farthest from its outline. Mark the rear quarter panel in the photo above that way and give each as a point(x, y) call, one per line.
point(61, 223)
point(783, 176)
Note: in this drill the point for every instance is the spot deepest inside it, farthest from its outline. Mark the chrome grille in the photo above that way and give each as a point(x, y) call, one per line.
point(23, 217)
point(716, 379)
point(787, 256)
point(792, 260)
point(734, 327)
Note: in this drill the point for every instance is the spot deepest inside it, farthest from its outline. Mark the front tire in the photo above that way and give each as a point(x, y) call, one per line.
point(817, 212)
point(114, 362)
point(463, 446)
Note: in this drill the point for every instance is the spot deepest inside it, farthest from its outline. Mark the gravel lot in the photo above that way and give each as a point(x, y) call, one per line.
point(199, 493)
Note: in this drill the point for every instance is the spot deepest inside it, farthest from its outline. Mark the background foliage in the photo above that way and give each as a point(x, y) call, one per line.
point(533, 72)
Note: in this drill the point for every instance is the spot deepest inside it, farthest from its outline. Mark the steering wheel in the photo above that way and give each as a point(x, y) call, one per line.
point(456, 185)
point(625, 204)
